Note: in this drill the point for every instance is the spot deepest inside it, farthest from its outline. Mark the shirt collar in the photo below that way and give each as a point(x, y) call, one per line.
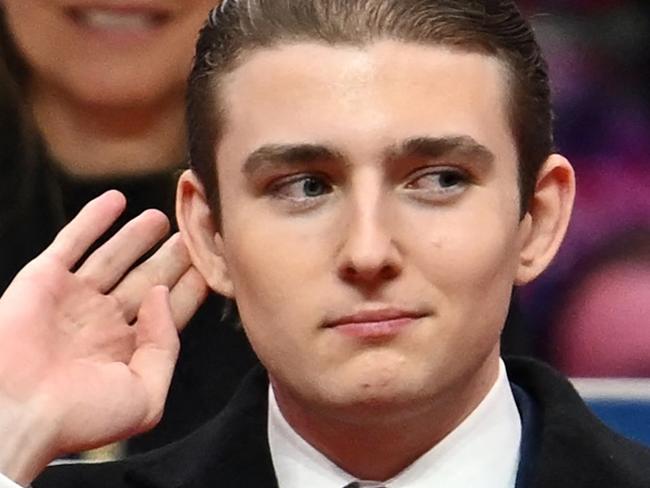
point(482, 451)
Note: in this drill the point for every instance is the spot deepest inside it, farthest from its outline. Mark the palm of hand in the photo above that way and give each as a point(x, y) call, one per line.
point(94, 350)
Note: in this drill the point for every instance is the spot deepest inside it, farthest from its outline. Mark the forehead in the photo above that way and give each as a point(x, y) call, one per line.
point(365, 98)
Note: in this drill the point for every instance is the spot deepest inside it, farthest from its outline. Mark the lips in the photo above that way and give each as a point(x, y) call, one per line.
point(118, 19)
point(374, 324)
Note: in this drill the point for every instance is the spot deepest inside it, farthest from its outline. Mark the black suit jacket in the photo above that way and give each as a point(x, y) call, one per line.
point(563, 445)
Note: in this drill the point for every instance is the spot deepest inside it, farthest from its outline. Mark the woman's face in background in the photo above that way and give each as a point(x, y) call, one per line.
point(107, 53)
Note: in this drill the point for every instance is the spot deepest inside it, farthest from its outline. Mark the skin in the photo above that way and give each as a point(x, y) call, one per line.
point(355, 221)
point(106, 101)
point(92, 362)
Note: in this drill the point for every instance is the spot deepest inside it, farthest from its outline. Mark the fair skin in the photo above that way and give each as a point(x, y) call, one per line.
point(107, 80)
point(372, 242)
point(372, 275)
point(74, 373)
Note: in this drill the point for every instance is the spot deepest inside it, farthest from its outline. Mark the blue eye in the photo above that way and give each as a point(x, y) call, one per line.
point(436, 183)
point(314, 187)
point(450, 179)
point(301, 188)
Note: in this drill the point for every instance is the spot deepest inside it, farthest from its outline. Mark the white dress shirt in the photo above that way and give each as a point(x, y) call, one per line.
point(483, 451)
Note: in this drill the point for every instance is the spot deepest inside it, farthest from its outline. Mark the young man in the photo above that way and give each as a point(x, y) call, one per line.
point(371, 178)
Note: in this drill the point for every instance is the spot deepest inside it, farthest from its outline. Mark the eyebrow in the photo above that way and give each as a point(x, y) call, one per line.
point(418, 147)
point(437, 147)
point(289, 154)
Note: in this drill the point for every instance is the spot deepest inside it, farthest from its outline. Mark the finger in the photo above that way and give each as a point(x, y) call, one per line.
point(108, 264)
point(157, 347)
point(90, 223)
point(165, 267)
point(187, 296)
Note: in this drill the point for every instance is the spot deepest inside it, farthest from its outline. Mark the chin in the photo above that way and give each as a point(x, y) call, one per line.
point(381, 390)
point(110, 89)
point(385, 405)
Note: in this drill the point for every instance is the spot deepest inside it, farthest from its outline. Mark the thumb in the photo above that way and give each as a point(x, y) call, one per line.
point(157, 347)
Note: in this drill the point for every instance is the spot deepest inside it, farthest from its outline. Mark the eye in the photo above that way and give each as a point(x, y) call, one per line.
point(437, 183)
point(301, 188)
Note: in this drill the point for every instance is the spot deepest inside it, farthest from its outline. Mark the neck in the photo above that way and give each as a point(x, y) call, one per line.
point(99, 141)
point(382, 447)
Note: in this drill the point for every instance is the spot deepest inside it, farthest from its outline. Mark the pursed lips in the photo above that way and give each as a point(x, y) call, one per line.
point(375, 324)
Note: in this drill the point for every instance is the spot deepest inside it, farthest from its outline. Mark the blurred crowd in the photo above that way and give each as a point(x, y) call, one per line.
point(589, 315)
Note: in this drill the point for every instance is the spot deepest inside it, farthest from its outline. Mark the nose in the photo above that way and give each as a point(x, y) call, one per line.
point(369, 256)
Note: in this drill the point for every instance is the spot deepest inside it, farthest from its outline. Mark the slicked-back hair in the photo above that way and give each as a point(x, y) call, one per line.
point(492, 27)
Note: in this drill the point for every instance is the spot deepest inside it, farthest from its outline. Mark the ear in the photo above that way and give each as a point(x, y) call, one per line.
point(544, 225)
point(200, 234)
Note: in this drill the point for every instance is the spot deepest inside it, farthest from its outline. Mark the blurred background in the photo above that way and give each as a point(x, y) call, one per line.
point(590, 313)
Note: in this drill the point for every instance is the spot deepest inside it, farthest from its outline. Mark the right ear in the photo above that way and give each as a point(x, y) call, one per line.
point(200, 234)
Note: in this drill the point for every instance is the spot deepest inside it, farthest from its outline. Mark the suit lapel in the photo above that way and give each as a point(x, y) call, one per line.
point(530, 436)
point(567, 446)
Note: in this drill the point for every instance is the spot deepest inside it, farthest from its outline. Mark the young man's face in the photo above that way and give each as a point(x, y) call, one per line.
point(371, 230)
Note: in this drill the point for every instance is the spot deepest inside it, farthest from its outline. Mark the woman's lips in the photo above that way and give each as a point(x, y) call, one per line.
point(375, 324)
point(118, 22)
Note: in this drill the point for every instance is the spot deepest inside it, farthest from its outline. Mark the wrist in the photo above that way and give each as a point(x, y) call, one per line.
point(28, 441)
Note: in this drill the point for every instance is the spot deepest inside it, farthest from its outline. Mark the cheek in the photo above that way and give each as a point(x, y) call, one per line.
point(487, 241)
point(472, 264)
point(22, 21)
point(273, 267)
point(276, 291)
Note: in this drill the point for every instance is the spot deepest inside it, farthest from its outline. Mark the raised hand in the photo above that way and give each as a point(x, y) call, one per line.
point(86, 356)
